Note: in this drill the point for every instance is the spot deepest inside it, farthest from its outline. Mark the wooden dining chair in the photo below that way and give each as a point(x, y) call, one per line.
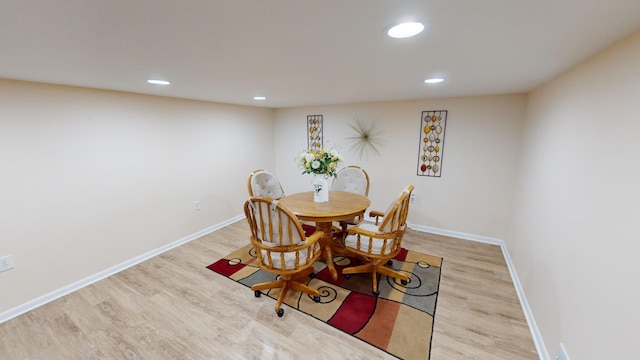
point(378, 244)
point(264, 183)
point(282, 248)
point(352, 179)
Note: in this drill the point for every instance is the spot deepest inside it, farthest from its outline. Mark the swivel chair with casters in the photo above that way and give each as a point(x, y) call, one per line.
point(378, 244)
point(282, 248)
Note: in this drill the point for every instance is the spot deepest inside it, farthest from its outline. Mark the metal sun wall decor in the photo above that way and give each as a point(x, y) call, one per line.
point(431, 146)
point(366, 139)
point(314, 132)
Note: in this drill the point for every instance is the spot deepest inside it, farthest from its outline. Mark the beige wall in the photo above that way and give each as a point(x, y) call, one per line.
point(91, 178)
point(574, 239)
point(481, 146)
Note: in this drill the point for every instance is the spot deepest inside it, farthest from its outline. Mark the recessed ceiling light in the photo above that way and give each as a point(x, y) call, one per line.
point(406, 30)
point(158, 82)
point(434, 80)
point(259, 98)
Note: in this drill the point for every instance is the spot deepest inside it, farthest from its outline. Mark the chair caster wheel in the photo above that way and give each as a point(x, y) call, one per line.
point(376, 293)
point(316, 298)
point(312, 275)
point(280, 312)
point(404, 282)
point(347, 276)
point(257, 293)
point(390, 263)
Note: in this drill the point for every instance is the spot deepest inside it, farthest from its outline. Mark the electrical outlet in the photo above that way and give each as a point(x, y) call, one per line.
point(412, 198)
point(6, 263)
point(196, 205)
point(562, 353)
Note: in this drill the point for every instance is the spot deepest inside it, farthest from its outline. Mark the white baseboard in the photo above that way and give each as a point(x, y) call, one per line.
point(543, 353)
point(44, 299)
point(456, 234)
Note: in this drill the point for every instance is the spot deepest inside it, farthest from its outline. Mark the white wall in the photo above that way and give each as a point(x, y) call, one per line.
point(574, 239)
point(481, 146)
point(90, 179)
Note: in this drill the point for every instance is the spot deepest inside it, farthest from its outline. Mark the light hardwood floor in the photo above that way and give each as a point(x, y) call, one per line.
point(172, 307)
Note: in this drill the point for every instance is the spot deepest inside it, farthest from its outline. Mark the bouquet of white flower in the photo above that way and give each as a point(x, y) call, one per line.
point(319, 162)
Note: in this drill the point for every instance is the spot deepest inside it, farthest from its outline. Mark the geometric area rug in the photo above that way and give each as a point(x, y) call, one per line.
point(398, 321)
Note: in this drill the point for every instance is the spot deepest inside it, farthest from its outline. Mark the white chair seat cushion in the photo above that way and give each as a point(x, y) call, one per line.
point(351, 241)
point(289, 258)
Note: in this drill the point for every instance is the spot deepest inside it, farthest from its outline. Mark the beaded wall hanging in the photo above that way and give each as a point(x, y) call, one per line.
point(314, 132)
point(431, 146)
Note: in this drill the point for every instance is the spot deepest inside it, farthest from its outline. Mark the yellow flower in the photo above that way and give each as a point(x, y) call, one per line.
point(307, 164)
point(331, 165)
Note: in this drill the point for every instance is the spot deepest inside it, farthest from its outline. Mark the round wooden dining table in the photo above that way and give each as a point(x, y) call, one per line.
point(342, 205)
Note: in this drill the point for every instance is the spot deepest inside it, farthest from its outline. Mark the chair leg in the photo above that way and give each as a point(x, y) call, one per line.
point(304, 288)
point(288, 284)
point(283, 292)
point(392, 273)
point(295, 283)
point(374, 281)
point(364, 268)
point(280, 283)
point(375, 269)
point(268, 285)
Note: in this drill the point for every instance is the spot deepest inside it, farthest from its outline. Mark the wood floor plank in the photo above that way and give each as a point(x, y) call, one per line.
point(172, 307)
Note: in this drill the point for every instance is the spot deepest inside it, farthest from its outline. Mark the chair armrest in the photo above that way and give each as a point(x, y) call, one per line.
point(371, 234)
point(376, 214)
point(315, 237)
point(311, 240)
point(357, 230)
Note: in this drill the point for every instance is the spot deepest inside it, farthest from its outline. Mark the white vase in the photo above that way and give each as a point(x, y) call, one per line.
point(320, 188)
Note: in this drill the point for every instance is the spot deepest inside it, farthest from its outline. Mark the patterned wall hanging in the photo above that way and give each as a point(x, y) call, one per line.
point(314, 132)
point(432, 126)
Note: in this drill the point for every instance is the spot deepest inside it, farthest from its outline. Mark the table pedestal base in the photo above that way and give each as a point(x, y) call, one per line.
point(326, 241)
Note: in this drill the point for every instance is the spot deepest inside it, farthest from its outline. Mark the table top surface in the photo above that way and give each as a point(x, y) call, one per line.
point(342, 205)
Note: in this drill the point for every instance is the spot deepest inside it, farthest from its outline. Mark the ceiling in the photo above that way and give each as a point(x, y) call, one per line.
point(305, 52)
